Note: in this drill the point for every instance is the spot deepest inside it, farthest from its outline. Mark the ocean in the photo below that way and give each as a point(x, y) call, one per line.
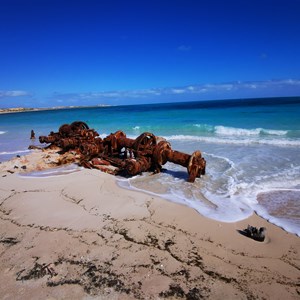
point(252, 149)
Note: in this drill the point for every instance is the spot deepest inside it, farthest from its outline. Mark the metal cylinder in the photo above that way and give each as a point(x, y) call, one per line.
point(137, 166)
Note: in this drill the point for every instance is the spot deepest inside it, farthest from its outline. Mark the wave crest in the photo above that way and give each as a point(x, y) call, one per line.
point(222, 130)
point(235, 131)
point(237, 141)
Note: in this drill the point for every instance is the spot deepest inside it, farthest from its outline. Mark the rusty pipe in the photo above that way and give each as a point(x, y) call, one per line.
point(48, 139)
point(68, 143)
point(137, 166)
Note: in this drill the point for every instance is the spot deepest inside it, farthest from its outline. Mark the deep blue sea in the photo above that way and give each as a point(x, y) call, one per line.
point(252, 149)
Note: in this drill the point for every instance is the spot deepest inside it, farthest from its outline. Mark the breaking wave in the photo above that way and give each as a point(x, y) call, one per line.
point(230, 140)
point(232, 131)
point(222, 130)
point(239, 136)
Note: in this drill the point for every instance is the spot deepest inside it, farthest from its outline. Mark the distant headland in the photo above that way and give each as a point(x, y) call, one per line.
point(28, 109)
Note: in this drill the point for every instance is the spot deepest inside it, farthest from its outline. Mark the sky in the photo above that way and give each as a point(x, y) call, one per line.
point(73, 52)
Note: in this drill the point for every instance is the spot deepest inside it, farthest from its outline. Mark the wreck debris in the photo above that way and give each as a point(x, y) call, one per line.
point(255, 233)
point(32, 134)
point(127, 156)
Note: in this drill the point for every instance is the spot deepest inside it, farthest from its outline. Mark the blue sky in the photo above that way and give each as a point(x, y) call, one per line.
point(61, 52)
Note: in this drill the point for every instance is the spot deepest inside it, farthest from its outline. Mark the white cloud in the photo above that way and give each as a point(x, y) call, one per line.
point(248, 85)
point(291, 82)
point(15, 93)
point(229, 90)
point(184, 48)
point(178, 91)
point(192, 92)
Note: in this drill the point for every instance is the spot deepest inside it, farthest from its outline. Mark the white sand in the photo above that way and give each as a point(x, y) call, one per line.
point(79, 235)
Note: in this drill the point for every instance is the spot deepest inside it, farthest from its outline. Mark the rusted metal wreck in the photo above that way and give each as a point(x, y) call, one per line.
point(128, 156)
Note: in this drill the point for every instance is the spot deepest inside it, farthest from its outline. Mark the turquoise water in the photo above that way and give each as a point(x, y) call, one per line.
point(252, 148)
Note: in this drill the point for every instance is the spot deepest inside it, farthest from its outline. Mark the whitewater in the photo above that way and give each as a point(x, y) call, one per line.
point(251, 147)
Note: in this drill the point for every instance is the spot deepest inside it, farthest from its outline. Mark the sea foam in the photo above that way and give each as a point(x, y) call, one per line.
point(234, 131)
point(53, 172)
point(14, 152)
point(227, 193)
point(242, 140)
point(223, 130)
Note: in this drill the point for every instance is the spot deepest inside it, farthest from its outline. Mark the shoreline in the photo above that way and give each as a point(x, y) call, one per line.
point(25, 109)
point(80, 235)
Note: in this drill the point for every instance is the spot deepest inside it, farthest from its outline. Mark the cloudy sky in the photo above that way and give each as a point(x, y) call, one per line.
point(89, 52)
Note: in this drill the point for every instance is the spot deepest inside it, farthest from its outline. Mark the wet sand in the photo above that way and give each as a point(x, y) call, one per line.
point(81, 236)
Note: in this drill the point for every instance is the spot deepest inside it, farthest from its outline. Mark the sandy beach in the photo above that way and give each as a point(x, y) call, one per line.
point(81, 236)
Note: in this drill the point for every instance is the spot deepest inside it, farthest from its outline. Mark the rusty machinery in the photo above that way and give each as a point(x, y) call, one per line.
point(129, 156)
